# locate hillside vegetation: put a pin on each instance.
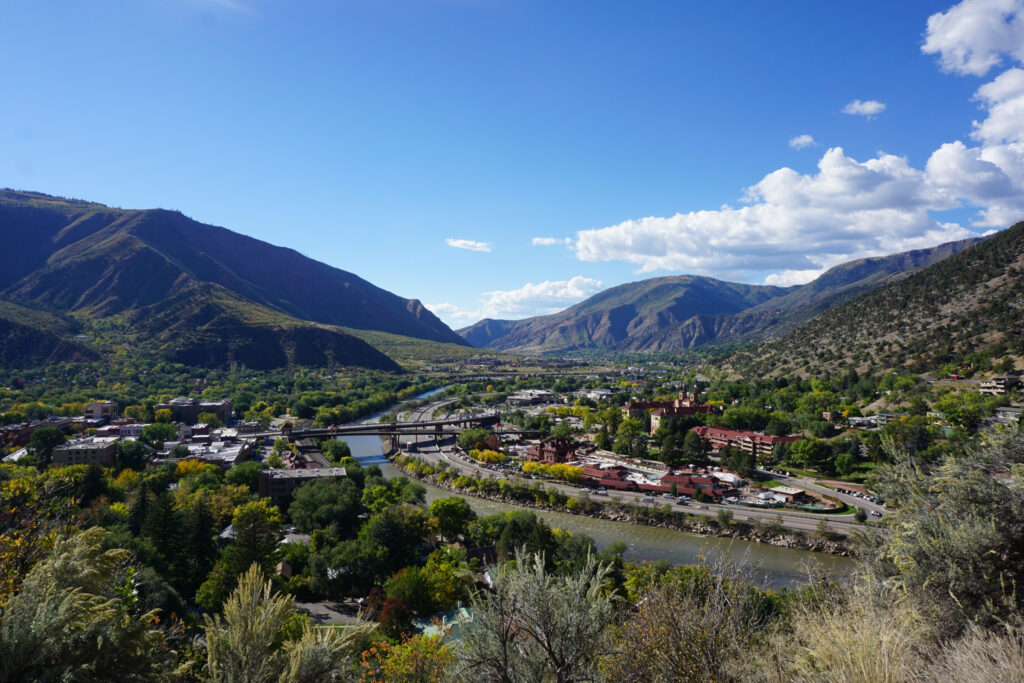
(968, 303)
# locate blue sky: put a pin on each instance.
(426, 145)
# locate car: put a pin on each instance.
(751, 519)
(647, 499)
(703, 507)
(601, 492)
(585, 490)
(667, 495)
(876, 513)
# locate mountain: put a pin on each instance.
(687, 311)
(194, 292)
(969, 302)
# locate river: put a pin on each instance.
(778, 566)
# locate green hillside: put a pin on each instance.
(972, 301)
(187, 291)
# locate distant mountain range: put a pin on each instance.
(687, 311)
(189, 292)
(970, 302)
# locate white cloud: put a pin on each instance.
(868, 108)
(470, 245)
(540, 298)
(788, 277)
(531, 299)
(549, 241)
(791, 222)
(802, 141)
(795, 225)
(973, 36)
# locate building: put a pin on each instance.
(758, 444)
(278, 485)
(552, 450)
(883, 419)
(101, 409)
(89, 451)
(529, 397)
(787, 494)
(187, 410)
(660, 414)
(1000, 385)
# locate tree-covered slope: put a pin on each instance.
(971, 301)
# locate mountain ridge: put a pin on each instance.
(672, 313)
(80, 261)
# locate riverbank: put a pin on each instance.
(632, 514)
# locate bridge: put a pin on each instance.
(437, 429)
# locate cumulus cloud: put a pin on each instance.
(794, 226)
(470, 245)
(801, 141)
(531, 299)
(549, 241)
(868, 108)
(791, 222)
(975, 35)
(549, 296)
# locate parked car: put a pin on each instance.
(647, 499)
(667, 495)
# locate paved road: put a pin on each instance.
(794, 520)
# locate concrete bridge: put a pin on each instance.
(438, 429)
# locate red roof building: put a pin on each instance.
(552, 450)
(756, 443)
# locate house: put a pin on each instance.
(999, 385)
(757, 444)
(882, 419)
(278, 485)
(552, 450)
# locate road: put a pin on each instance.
(429, 451)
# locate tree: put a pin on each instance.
(323, 504)
(690, 623)
(246, 473)
(163, 416)
(956, 541)
(77, 618)
(251, 641)
(411, 587)
(42, 442)
(159, 432)
(419, 659)
(694, 448)
(132, 455)
(209, 419)
(469, 438)
(539, 626)
(561, 431)
(258, 531)
(335, 450)
(453, 515)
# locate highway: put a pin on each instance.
(430, 452)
